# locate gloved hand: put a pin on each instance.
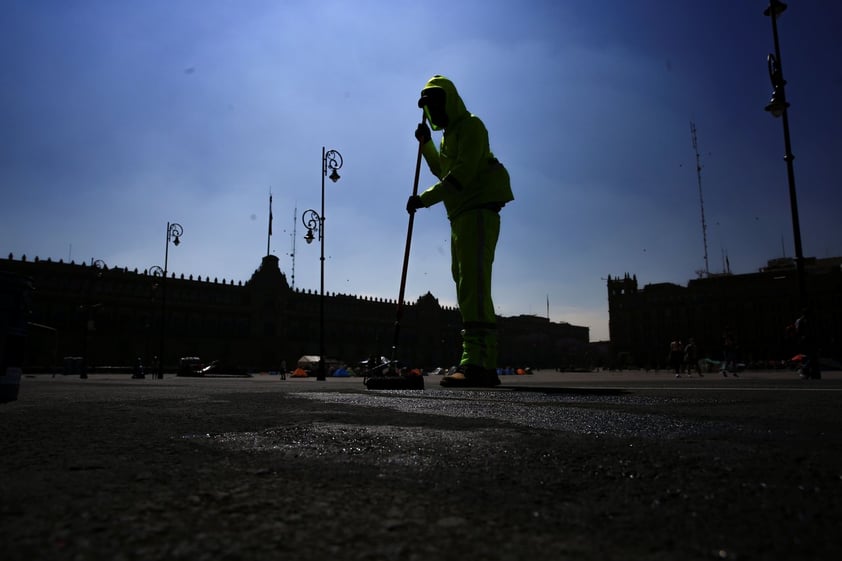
(422, 133)
(413, 204)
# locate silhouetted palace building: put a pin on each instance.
(112, 316)
(755, 308)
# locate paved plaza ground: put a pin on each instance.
(584, 466)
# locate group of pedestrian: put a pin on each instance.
(684, 358)
(800, 339)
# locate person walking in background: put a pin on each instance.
(676, 356)
(691, 358)
(728, 354)
(809, 359)
(474, 186)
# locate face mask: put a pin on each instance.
(433, 102)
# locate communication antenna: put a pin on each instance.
(701, 199)
(269, 235)
(292, 253)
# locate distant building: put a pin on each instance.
(756, 308)
(112, 316)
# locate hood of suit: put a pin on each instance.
(454, 106)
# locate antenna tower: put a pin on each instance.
(701, 199)
(292, 254)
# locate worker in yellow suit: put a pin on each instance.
(474, 186)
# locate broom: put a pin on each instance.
(390, 378)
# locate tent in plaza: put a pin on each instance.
(308, 362)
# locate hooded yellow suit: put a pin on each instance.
(473, 186)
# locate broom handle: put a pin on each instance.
(399, 313)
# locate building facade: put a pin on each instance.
(113, 317)
(756, 309)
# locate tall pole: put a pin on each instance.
(777, 76)
(321, 376)
(163, 307)
(331, 160)
(701, 199)
(292, 250)
(155, 271)
(98, 265)
(174, 232)
(778, 106)
(269, 236)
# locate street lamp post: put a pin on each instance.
(777, 107)
(156, 272)
(98, 265)
(174, 233)
(315, 222)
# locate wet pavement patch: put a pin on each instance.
(596, 415)
(394, 445)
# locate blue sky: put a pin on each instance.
(117, 117)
